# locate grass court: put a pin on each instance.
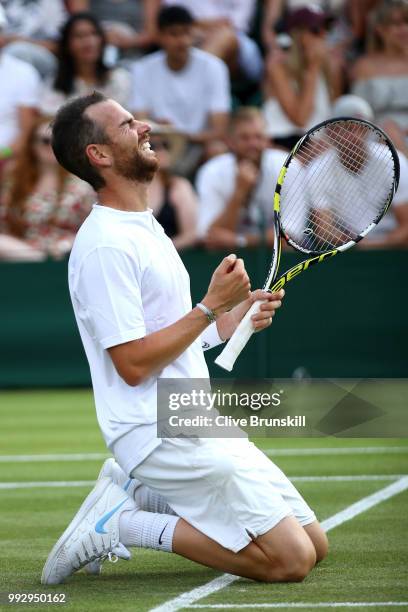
(51, 452)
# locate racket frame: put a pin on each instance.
(234, 346)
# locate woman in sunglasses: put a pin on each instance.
(41, 205)
(298, 82)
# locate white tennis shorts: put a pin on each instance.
(226, 488)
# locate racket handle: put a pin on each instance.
(238, 340)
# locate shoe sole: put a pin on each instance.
(90, 501)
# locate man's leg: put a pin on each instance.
(212, 485)
(284, 554)
(150, 501)
(192, 544)
(319, 540)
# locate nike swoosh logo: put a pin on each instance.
(99, 527)
(127, 484)
(160, 536)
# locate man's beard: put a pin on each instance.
(137, 167)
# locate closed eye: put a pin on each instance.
(127, 122)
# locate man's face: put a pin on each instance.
(248, 140)
(351, 146)
(177, 41)
(129, 145)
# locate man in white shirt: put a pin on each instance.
(33, 31)
(236, 189)
(131, 298)
(392, 231)
(181, 86)
(20, 85)
(222, 28)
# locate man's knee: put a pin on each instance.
(321, 547)
(295, 564)
(291, 566)
(319, 539)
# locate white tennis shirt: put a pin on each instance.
(370, 188)
(126, 281)
(184, 97)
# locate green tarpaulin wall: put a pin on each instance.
(344, 318)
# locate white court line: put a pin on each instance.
(190, 597)
(45, 484)
(365, 504)
(341, 450)
(354, 478)
(53, 457)
(329, 604)
(282, 452)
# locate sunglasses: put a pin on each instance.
(316, 30)
(45, 140)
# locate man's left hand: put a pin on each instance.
(229, 321)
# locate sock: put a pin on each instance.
(147, 529)
(149, 500)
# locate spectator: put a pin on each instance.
(18, 98)
(381, 76)
(184, 87)
(81, 68)
(172, 197)
(221, 27)
(236, 189)
(129, 25)
(42, 205)
(298, 81)
(33, 30)
(392, 231)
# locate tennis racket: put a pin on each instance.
(333, 189)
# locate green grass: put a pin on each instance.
(368, 559)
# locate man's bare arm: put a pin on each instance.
(137, 360)
(247, 175)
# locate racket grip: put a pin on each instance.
(238, 340)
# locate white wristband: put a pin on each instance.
(210, 337)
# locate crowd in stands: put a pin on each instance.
(229, 86)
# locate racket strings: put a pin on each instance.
(349, 173)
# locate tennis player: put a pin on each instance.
(221, 503)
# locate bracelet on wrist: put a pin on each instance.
(210, 314)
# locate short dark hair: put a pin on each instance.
(72, 132)
(173, 15)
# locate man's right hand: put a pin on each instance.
(229, 285)
(247, 175)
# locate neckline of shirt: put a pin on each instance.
(117, 211)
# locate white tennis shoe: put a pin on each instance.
(92, 534)
(112, 470)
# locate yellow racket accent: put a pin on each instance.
(276, 198)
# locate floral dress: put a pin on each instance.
(50, 220)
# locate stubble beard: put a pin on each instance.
(137, 167)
